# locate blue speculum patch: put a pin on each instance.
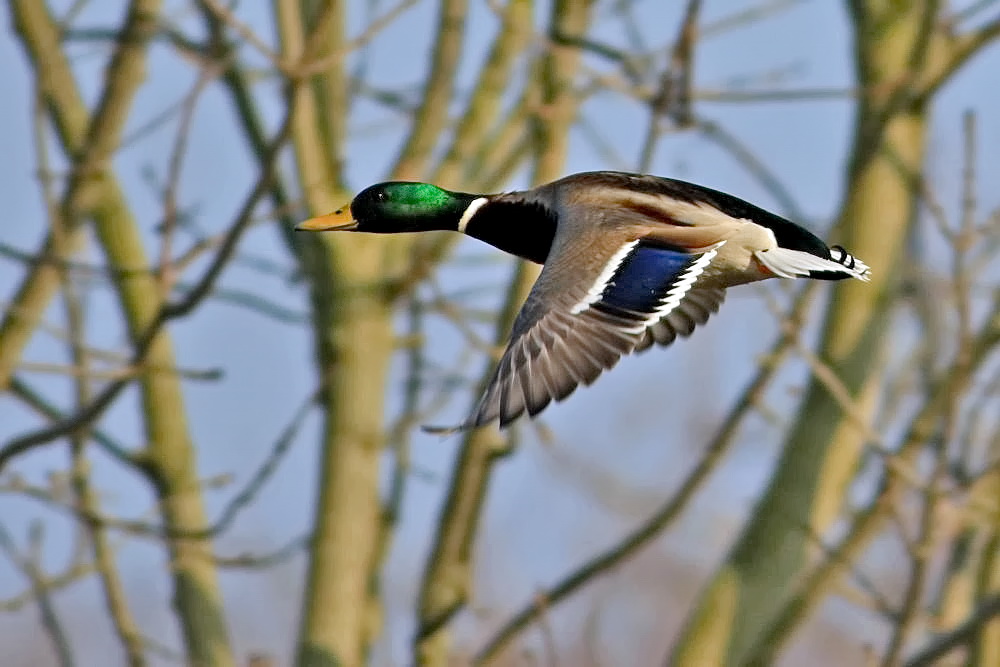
(644, 277)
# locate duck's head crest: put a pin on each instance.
(396, 206)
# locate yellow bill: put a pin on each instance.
(339, 220)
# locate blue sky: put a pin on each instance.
(639, 426)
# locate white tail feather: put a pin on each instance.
(787, 263)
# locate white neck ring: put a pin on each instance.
(476, 204)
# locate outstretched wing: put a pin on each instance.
(570, 329)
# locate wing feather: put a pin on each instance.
(698, 305)
(557, 344)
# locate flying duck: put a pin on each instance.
(629, 260)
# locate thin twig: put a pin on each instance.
(919, 556)
(985, 612)
(225, 15)
(673, 96)
(262, 561)
(207, 375)
(84, 496)
(29, 565)
(42, 406)
(168, 227)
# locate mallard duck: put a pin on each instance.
(629, 261)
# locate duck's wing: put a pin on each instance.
(694, 310)
(573, 327)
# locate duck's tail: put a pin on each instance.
(788, 263)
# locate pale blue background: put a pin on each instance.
(631, 436)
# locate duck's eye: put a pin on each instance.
(381, 195)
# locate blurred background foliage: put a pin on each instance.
(209, 443)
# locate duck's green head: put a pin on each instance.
(396, 206)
